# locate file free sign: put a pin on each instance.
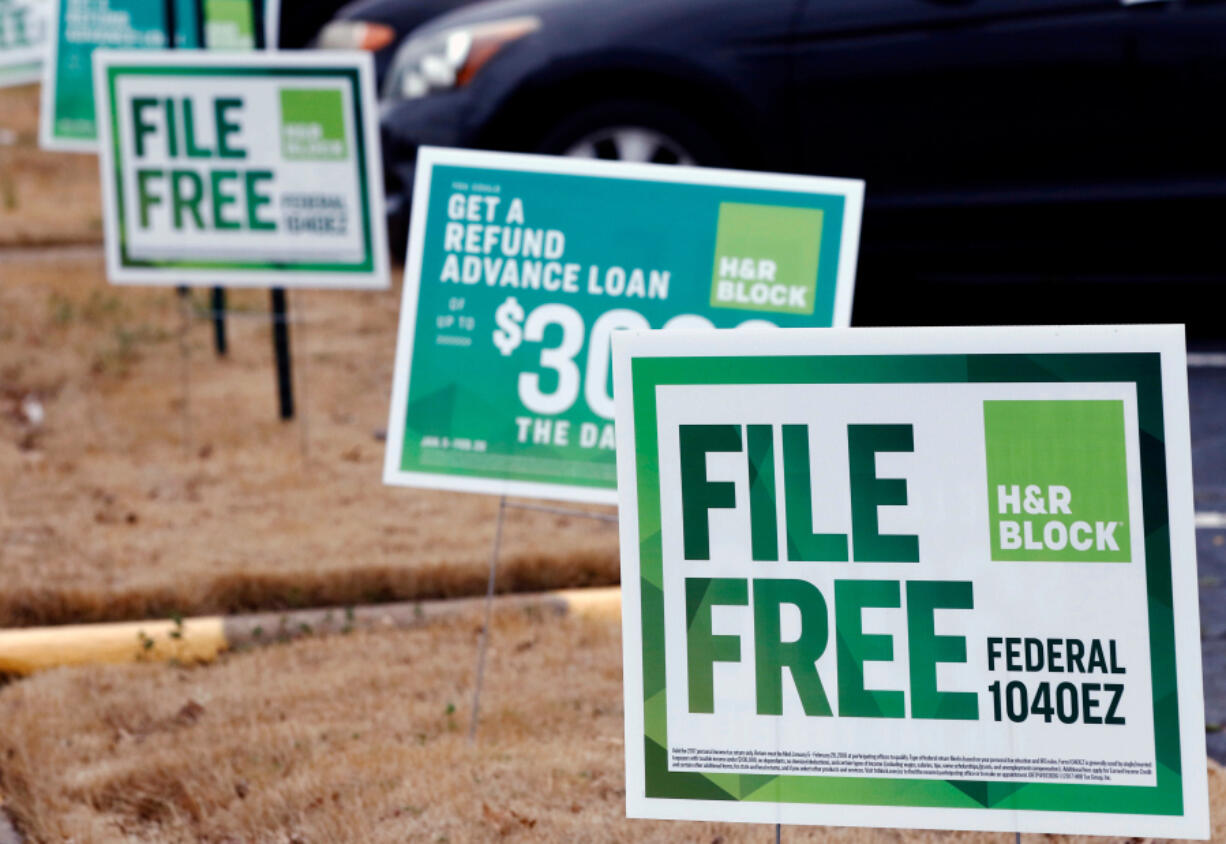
(938, 578)
(258, 170)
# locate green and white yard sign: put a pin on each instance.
(521, 267)
(940, 578)
(23, 31)
(257, 169)
(67, 120)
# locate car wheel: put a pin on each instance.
(634, 131)
(630, 143)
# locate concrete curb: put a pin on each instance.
(27, 650)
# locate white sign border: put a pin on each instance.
(379, 278)
(852, 191)
(11, 78)
(1166, 340)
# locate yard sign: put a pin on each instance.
(254, 169)
(77, 27)
(23, 30)
(939, 578)
(521, 267)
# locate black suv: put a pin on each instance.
(1071, 152)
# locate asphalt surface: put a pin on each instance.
(1207, 403)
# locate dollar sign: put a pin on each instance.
(509, 333)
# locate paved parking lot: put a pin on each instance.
(1207, 400)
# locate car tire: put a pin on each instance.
(641, 131)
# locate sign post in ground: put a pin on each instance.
(242, 169)
(938, 578)
(68, 120)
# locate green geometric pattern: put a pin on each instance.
(1139, 369)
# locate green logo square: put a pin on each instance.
(766, 258)
(1057, 480)
(312, 124)
(229, 25)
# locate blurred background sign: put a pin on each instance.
(255, 169)
(23, 28)
(78, 27)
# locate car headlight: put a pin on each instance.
(355, 35)
(449, 59)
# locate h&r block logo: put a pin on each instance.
(312, 124)
(1057, 480)
(229, 24)
(766, 258)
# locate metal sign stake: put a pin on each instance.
(503, 506)
(299, 316)
(185, 313)
(483, 646)
(280, 346)
(219, 321)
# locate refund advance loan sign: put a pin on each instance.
(521, 267)
(937, 578)
(256, 169)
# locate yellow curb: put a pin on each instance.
(604, 603)
(27, 650)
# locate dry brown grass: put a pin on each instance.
(45, 197)
(357, 738)
(105, 515)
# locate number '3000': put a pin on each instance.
(560, 359)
